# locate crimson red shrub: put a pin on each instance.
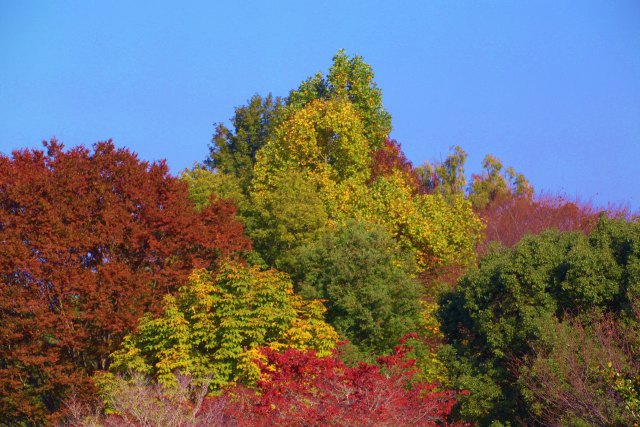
(301, 389)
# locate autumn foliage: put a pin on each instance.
(297, 388)
(300, 389)
(510, 217)
(389, 159)
(212, 328)
(129, 296)
(92, 239)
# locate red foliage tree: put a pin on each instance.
(90, 241)
(300, 389)
(390, 158)
(510, 217)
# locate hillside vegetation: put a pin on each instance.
(306, 273)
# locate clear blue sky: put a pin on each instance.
(550, 87)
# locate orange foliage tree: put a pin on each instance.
(91, 240)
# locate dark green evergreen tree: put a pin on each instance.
(500, 311)
(366, 282)
(234, 151)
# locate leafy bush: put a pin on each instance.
(584, 373)
(297, 388)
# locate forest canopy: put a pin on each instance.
(307, 273)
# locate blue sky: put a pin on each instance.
(552, 88)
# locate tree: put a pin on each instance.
(436, 230)
(351, 80)
(325, 139)
(585, 373)
(510, 217)
(389, 159)
(204, 183)
(494, 183)
(498, 312)
(446, 178)
(371, 297)
(212, 328)
(326, 144)
(332, 137)
(91, 241)
(286, 215)
(234, 152)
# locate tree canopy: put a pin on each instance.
(234, 152)
(500, 311)
(350, 80)
(92, 239)
(324, 141)
(368, 284)
(213, 327)
(130, 296)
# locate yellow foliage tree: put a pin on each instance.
(214, 326)
(325, 141)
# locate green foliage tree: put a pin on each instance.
(204, 183)
(233, 152)
(495, 182)
(367, 283)
(213, 327)
(287, 214)
(447, 177)
(499, 310)
(628, 388)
